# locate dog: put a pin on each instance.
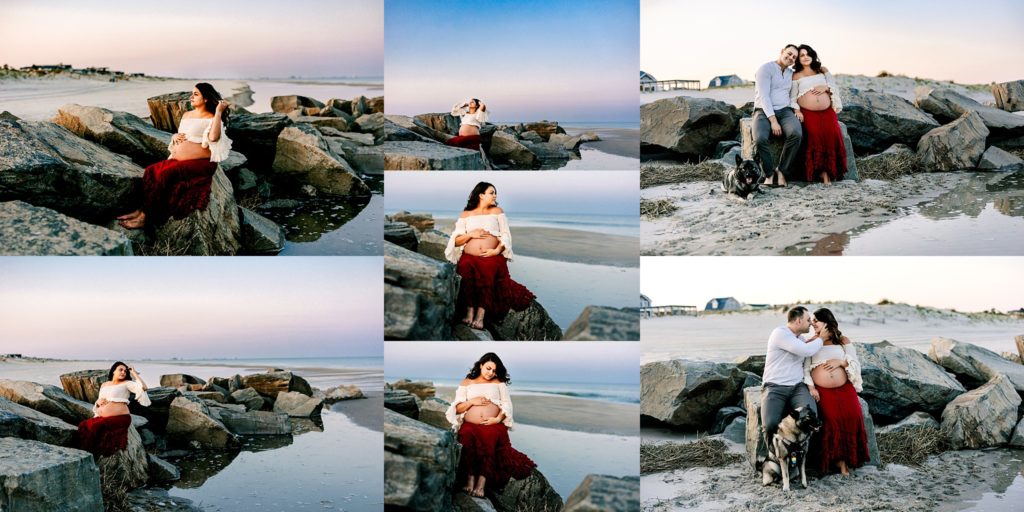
(787, 451)
(744, 180)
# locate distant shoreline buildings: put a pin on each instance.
(61, 68)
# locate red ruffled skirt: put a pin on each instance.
(487, 284)
(487, 451)
(824, 150)
(465, 141)
(104, 435)
(176, 188)
(843, 436)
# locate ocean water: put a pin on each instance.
(566, 288)
(623, 225)
(602, 392)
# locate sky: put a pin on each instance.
(966, 284)
(604, 192)
(598, 362)
(967, 42)
(159, 308)
(222, 39)
(527, 60)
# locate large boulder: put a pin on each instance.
(260, 235)
(422, 221)
(402, 235)
(432, 412)
(213, 231)
(190, 422)
(420, 464)
(20, 421)
(27, 230)
(1009, 95)
(40, 477)
(304, 155)
(948, 105)
(877, 120)
(568, 142)
(425, 156)
(298, 405)
(421, 388)
(691, 127)
(505, 148)
(402, 402)
(530, 324)
(600, 323)
(46, 165)
(957, 145)
(120, 132)
(255, 136)
(286, 104)
(603, 493)
(256, 423)
(752, 363)
(551, 155)
(687, 394)
(248, 397)
(166, 110)
(159, 409)
(545, 129)
(441, 122)
(342, 392)
(419, 295)
(162, 471)
(531, 493)
(433, 243)
(996, 159)
(125, 469)
(273, 382)
(84, 385)
(47, 399)
(899, 381)
(982, 417)
(175, 380)
(405, 128)
(975, 365)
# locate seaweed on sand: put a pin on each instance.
(705, 452)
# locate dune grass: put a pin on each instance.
(705, 452)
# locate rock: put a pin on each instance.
(531, 324)
(974, 365)
(84, 385)
(982, 417)
(357, 139)
(162, 471)
(212, 231)
(176, 380)
(359, 106)
(877, 120)
(303, 154)
(375, 104)
(948, 105)
(157, 500)
(247, 180)
(463, 332)
(257, 423)
(338, 104)
(433, 243)
(419, 295)
(338, 123)
(166, 110)
(603, 493)
(285, 104)
(917, 420)
(544, 128)
(47, 166)
(405, 128)
(402, 402)
(531, 136)
(255, 136)
(996, 159)
(422, 221)
(440, 122)
(589, 137)
(753, 364)
(421, 388)
(260, 235)
(432, 412)
(1009, 95)
(551, 155)
(401, 234)
(40, 477)
(420, 463)
(1010, 356)
(1017, 438)
(466, 503)
(342, 392)
(957, 145)
(120, 132)
(724, 417)
(688, 394)
(159, 408)
(899, 381)
(273, 382)
(125, 469)
(189, 421)
(297, 404)
(736, 430)
(600, 323)
(209, 396)
(691, 127)
(508, 150)
(371, 123)
(248, 397)
(49, 400)
(531, 493)
(570, 143)
(27, 230)
(20, 421)
(423, 156)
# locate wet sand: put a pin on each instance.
(568, 245)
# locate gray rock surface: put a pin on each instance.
(982, 417)
(419, 295)
(402, 402)
(120, 132)
(432, 412)
(421, 388)
(1009, 95)
(128, 468)
(420, 463)
(996, 159)
(432, 243)
(166, 110)
(49, 400)
(691, 127)
(402, 235)
(256, 423)
(84, 385)
(505, 148)
(600, 323)
(753, 364)
(899, 381)
(603, 493)
(342, 392)
(974, 365)
(687, 394)
(877, 120)
(39, 477)
(957, 145)
(27, 230)
(162, 471)
(531, 493)
(248, 397)
(424, 156)
(190, 422)
(285, 104)
(531, 324)
(543, 128)
(20, 421)
(213, 231)
(297, 404)
(271, 383)
(175, 380)
(304, 155)
(917, 420)
(948, 105)
(260, 235)
(422, 221)
(255, 136)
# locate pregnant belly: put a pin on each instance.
(467, 129)
(112, 409)
(189, 151)
(816, 102)
(478, 245)
(828, 379)
(478, 413)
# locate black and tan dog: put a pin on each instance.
(744, 179)
(787, 451)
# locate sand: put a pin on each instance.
(568, 245)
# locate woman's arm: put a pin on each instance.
(215, 124)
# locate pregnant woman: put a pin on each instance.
(815, 99)
(473, 116)
(833, 378)
(482, 416)
(107, 431)
(181, 184)
(481, 246)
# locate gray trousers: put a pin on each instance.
(792, 130)
(778, 400)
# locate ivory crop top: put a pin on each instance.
(804, 85)
(121, 393)
(198, 130)
(844, 352)
(478, 118)
(496, 392)
(495, 224)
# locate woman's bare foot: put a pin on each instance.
(843, 470)
(468, 320)
(478, 493)
(130, 216)
(477, 324)
(137, 222)
(825, 178)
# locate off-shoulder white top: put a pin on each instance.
(846, 352)
(478, 118)
(496, 392)
(198, 130)
(804, 85)
(121, 393)
(495, 224)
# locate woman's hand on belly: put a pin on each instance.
(112, 409)
(826, 378)
(478, 246)
(479, 413)
(189, 151)
(468, 129)
(815, 102)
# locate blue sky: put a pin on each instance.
(559, 60)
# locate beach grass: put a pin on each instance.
(705, 452)
(654, 174)
(889, 167)
(911, 447)
(657, 207)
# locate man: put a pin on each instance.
(774, 117)
(784, 389)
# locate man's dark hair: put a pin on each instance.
(795, 313)
(795, 47)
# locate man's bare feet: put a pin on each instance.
(137, 222)
(130, 216)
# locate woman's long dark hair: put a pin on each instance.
(479, 107)
(825, 316)
(127, 375)
(815, 63)
(474, 196)
(212, 98)
(500, 373)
